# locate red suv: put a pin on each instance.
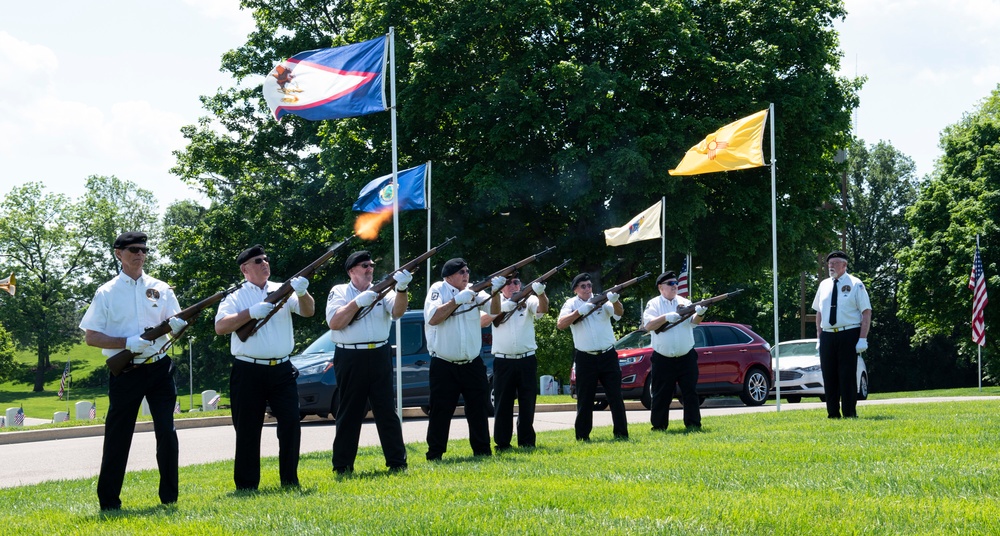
(732, 359)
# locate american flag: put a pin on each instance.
(214, 402)
(177, 407)
(19, 417)
(93, 410)
(682, 280)
(62, 382)
(977, 282)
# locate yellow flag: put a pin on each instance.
(645, 226)
(735, 146)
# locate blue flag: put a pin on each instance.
(377, 195)
(329, 83)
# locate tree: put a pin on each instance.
(122, 206)
(7, 364)
(961, 200)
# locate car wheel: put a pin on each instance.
(822, 398)
(600, 405)
(794, 399)
(863, 388)
(493, 400)
(647, 395)
(701, 400)
(302, 416)
(755, 388)
(426, 410)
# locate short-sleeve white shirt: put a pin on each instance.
(852, 300)
(373, 327)
(592, 334)
(676, 341)
(459, 337)
(517, 334)
(124, 307)
(275, 339)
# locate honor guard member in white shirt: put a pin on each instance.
(262, 376)
(515, 367)
(363, 362)
(595, 356)
(454, 342)
(121, 311)
(843, 316)
(674, 361)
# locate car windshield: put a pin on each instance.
(792, 349)
(636, 339)
(324, 344)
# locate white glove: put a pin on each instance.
(366, 298)
(673, 317)
(609, 308)
(612, 297)
(585, 308)
(299, 285)
(464, 297)
(862, 345)
(403, 278)
(137, 344)
(176, 325)
(498, 282)
(508, 306)
(700, 310)
(539, 288)
(260, 310)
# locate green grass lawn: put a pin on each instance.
(899, 469)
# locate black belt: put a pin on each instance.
(597, 352)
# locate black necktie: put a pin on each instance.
(833, 304)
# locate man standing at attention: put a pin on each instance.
(595, 356)
(674, 360)
(121, 311)
(262, 376)
(515, 367)
(843, 316)
(363, 362)
(454, 319)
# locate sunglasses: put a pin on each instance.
(260, 260)
(366, 265)
(670, 283)
(137, 249)
(585, 285)
(463, 271)
(514, 282)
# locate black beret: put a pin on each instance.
(580, 279)
(665, 276)
(250, 253)
(837, 255)
(357, 258)
(130, 238)
(453, 266)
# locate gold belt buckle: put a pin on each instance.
(371, 346)
(272, 362)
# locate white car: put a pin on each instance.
(801, 375)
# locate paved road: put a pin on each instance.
(80, 457)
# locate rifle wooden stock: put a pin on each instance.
(686, 311)
(599, 299)
(526, 292)
(122, 361)
(384, 286)
(280, 296)
(506, 272)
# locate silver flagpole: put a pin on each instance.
(663, 234)
(774, 266)
(979, 349)
(427, 203)
(395, 220)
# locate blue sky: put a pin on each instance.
(102, 88)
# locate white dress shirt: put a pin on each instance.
(274, 340)
(594, 333)
(851, 302)
(460, 336)
(124, 307)
(676, 341)
(373, 327)
(517, 335)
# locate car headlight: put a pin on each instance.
(318, 368)
(814, 368)
(630, 360)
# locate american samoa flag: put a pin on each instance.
(330, 83)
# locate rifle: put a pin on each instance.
(280, 296)
(526, 292)
(122, 361)
(506, 272)
(382, 287)
(599, 299)
(686, 311)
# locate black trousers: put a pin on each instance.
(591, 369)
(838, 356)
(447, 382)
(364, 377)
(155, 382)
(514, 379)
(666, 373)
(253, 388)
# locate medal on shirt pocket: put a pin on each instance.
(153, 295)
